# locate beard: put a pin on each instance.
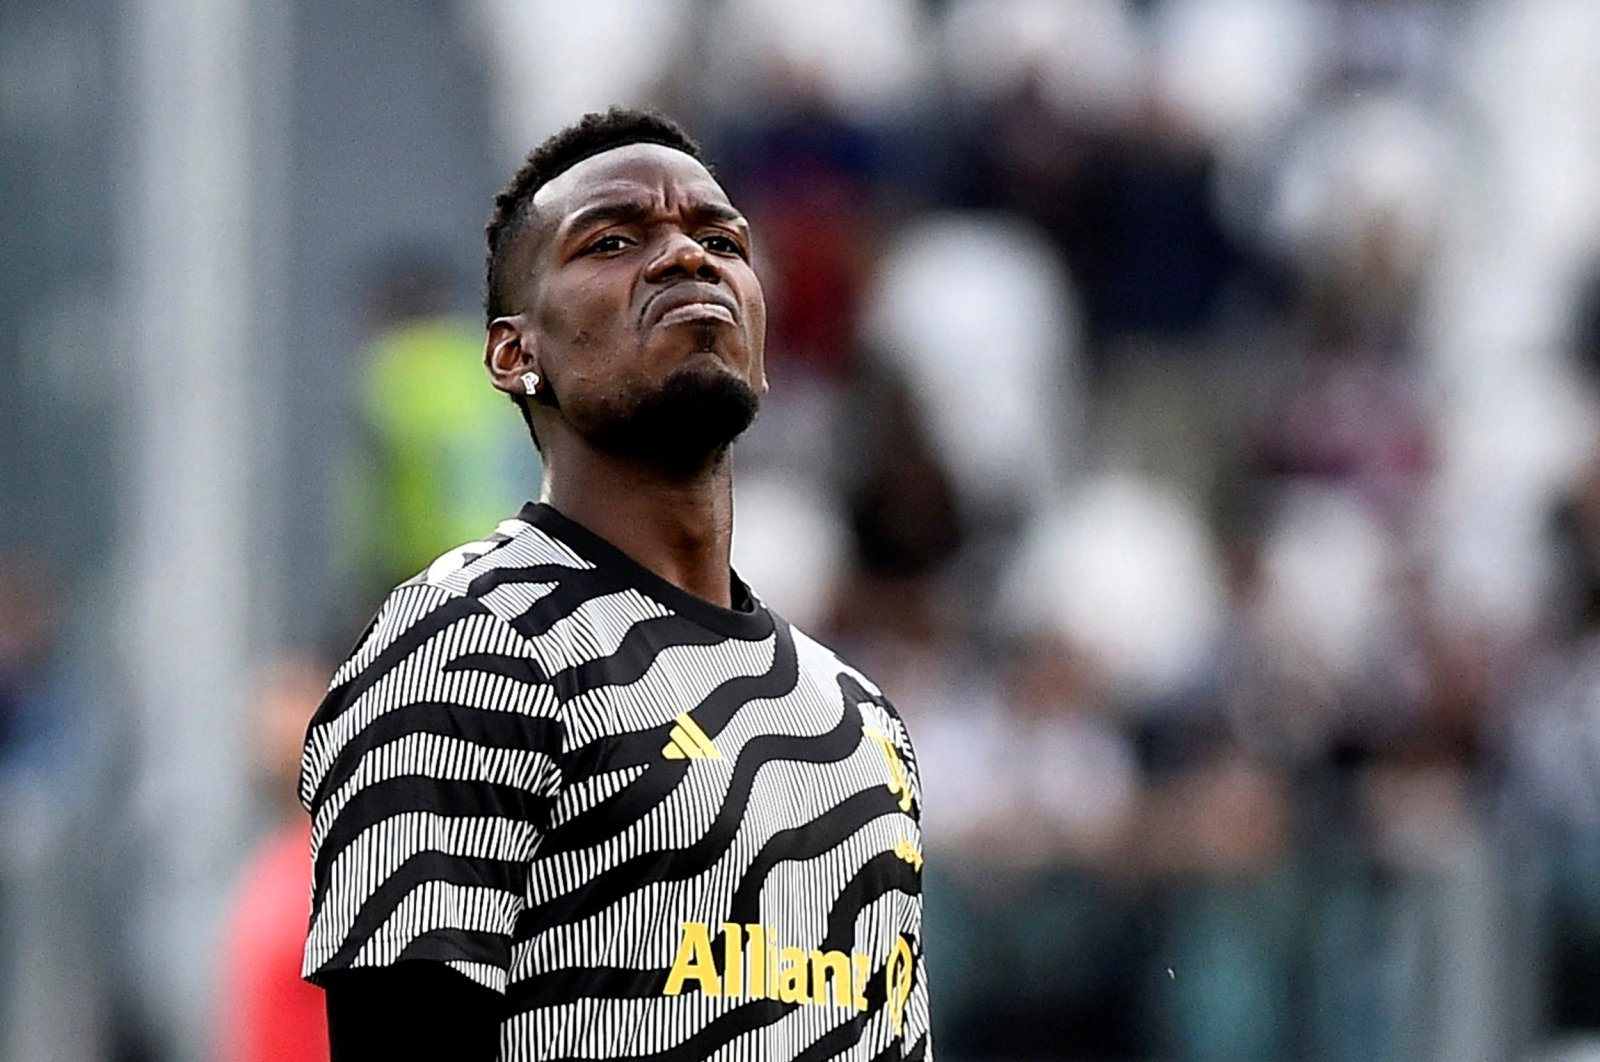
(681, 426)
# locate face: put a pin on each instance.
(641, 312)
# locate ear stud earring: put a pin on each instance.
(530, 382)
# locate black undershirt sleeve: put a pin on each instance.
(412, 1012)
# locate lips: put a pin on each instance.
(696, 311)
(686, 303)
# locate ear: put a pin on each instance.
(508, 353)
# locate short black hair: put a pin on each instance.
(589, 136)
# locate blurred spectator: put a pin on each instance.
(808, 178)
(1350, 417)
(1161, 263)
(442, 457)
(1112, 162)
(267, 1013)
(891, 604)
(1360, 212)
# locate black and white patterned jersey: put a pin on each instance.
(663, 829)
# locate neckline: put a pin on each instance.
(753, 624)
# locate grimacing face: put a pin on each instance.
(637, 278)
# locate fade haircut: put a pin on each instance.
(513, 207)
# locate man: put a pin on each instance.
(578, 793)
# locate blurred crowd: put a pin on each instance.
(1132, 424)
(1188, 411)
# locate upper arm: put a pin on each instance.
(428, 772)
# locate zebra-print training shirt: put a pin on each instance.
(664, 829)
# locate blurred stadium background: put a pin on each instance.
(1186, 409)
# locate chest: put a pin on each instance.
(686, 776)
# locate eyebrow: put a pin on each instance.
(718, 212)
(606, 214)
(630, 210)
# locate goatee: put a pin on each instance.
(684, 424)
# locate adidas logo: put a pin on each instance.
(689, 742)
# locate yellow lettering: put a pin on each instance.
(863, 965)
(758, 960)
(897, 982)
(785, 974)
(792, 977)
(823, 963)
(694, 961)
(732, 959)
(899, 782)
(772, 963)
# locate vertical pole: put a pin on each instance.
(201, 277)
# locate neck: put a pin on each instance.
(679, 527)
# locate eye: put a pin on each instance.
(607, 244)
(720, 243)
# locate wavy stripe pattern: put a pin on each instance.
(488, 789)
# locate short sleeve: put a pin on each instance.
(428, 772)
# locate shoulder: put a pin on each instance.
(411, 617)
(442, 657)
(470, 569)
(504, 570)
(821, 660)
(489, 577)
(878, 712)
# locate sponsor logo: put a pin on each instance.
(689, 742)
(753, 964)
(908, 851)
(899, 782)
(897, 983)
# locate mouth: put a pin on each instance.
(691, 304)
(696, 312)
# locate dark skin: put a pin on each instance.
(637, 270)
(637, 267)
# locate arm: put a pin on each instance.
(428, 771)
(412, 1010)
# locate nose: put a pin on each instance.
(680, 256)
